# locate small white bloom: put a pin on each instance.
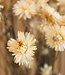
(22, 49)
(25, 9)
(55, 37)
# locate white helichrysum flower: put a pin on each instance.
(22, 48)
(55, 37)
(40, 4)
(25, 9)
(53, 15)
(47, 70)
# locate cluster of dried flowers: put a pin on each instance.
(54, 32)
(43, 18)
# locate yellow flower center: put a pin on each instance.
(57, 38)
(20, 43)
(24, 46)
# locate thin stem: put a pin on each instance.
(5, 22)
(53, 62)
(57, 55)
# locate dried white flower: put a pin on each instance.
(22, 48)
(53, 15)
(55, 37)
(25, 9)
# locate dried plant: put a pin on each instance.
(23, 48)
(44, 20)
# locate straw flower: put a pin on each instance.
(47, 70)
(55, 37)
(22, 48)
(25, 9)
(51, 13)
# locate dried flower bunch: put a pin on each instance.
(48, 26)
(22, 48)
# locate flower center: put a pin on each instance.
(57, 38)
(20, 43)
(24, 50)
